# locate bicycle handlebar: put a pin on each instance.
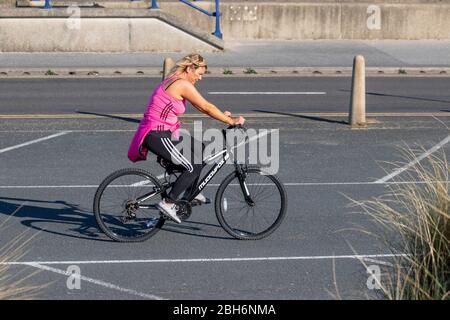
(231, 127)
(236, 126)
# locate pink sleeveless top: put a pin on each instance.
(161, 115)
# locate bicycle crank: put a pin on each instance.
(184, 210)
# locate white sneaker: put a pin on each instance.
(169, 210)
(201, 198)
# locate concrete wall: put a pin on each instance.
(137, 30)
(98, 34)
(7, 3)
(411, 22)
(332, 20)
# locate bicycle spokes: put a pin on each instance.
(250, 204)
(124, 205)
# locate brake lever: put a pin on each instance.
(237, 126)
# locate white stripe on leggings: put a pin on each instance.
(174, 156)
(182, 157)
(168, 146)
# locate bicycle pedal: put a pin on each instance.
(195, 203)
(199, 203)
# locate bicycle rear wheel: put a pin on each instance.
(251, 221)
(117, 210)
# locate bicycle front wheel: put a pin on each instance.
(251, 220)
(118, 208)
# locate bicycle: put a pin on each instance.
(134, 216)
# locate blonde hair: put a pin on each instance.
(192, 60)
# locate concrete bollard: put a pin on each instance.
(357, 114)
(168, 65)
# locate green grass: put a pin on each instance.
(50, 73)
(250, 71)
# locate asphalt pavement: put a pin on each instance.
(47, 189)
(59, 138)
(266, 96)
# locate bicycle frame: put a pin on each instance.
(211, 173)
(207, 178)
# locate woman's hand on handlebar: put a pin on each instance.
(238, 120)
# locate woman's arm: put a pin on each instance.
(190, 93)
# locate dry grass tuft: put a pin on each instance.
(13, 285)
(415, 218)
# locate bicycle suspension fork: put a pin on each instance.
(242, 175)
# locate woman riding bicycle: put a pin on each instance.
(158, 130)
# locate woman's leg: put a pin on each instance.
(192, 154)
(186, 155)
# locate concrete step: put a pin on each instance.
(115, 6)
(19, 22)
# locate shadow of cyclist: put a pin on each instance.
(76, 223)
(44, 215)
(197, 229)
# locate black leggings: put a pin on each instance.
(161, 144)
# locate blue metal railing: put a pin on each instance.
(216, 13)
(47, 4)
(154, 5)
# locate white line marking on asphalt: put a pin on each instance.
(415, 161)
(34, 141)
(95, 281)
(289, 184)
(376, 261)
(267, 93)
(362, 256)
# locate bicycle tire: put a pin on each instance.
(100, 215)
(223, 210)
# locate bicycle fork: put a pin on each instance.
(242, 175)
